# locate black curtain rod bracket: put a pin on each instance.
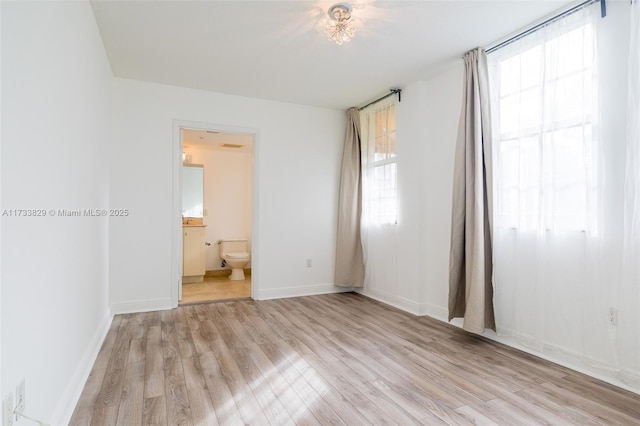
(392, 92)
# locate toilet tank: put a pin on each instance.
(233, 246)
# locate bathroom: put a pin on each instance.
(217, 188)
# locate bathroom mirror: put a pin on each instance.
(192, 190)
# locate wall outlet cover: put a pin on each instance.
(7, 410)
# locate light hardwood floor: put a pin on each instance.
(216, 288)
(329, 359)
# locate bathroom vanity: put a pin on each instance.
(193, 254)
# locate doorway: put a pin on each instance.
(221, 211)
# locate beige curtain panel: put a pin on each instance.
(470, 261)
(349, 259)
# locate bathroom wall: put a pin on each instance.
(228, 188)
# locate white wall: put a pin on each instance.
(443, 95)
(56, 110)
(228, 178)
(297, 156)
(411, 183)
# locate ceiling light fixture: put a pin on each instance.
(339, 25)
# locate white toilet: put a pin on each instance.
(236, 254)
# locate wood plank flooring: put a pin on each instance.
(329, 359)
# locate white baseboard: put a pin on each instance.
(392, 300)
(309, 290)
(141, 306)
(69, 399)
(433, 311)
(622, 379)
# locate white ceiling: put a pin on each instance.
(278, 50)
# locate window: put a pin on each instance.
(544, 99)
(380, 180)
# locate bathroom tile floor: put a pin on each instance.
(216, 289)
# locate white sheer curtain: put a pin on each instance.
(379, 196)
(557, 237)
(629, 297)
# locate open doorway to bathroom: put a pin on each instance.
(217, 211)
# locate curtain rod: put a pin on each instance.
(393, 92)
(603, 13)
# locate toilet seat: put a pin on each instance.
(237, 255)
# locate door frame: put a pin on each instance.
(176, 203)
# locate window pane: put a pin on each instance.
(566, 100)
(545, 169)
(531, 66)
(384, 193)
(567, 52)
(385, 129)
(529, 182)
(380, 149)
(508, 182)
(380, 187)
(391, 141)
(567, 175)
(530, 109)
(509, 76)
(509, 114)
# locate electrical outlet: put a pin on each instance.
(7, 410)
(309, 263)
(613, 316)
(20, 397)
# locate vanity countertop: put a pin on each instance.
(193, 225)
